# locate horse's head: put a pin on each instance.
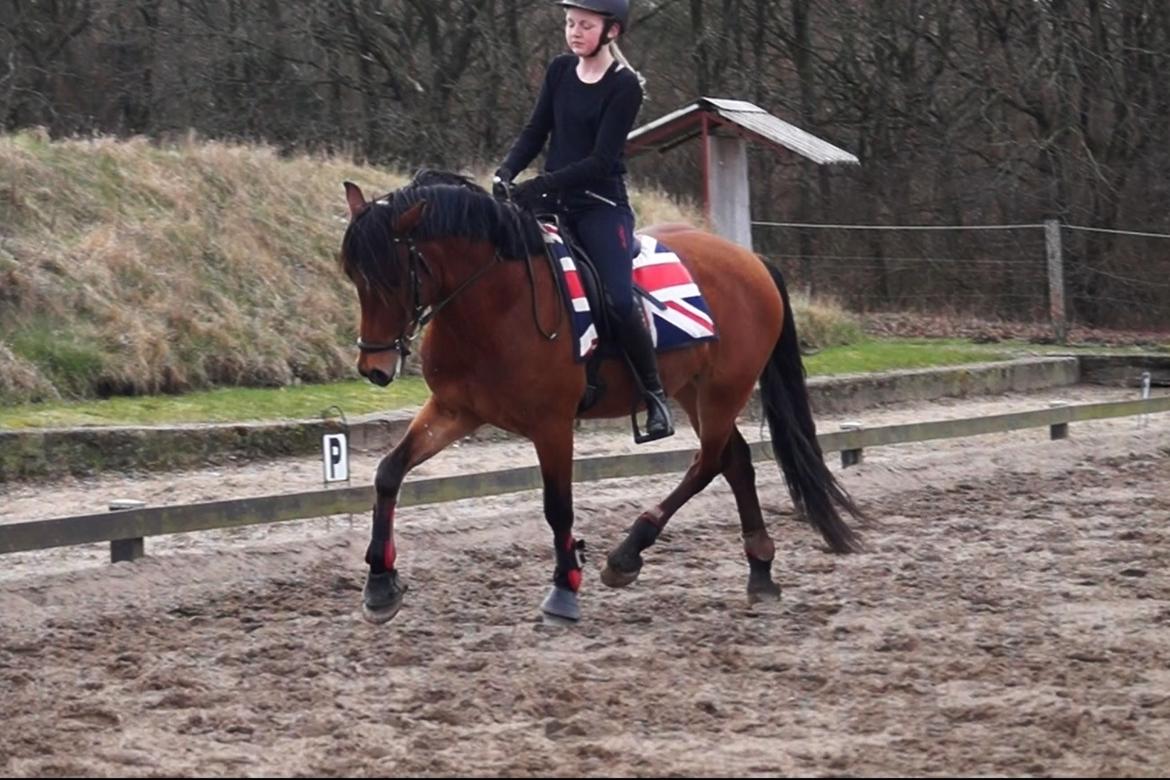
(463, 231)
(379, 256)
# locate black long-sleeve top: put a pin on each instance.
(588, 123)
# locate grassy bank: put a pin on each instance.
(133, 268)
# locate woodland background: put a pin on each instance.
(963, 112)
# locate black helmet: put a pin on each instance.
(618, 10)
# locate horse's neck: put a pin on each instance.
(490, 291)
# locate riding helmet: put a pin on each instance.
(617, 10)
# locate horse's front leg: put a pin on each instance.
(555, 451)
(432, 429)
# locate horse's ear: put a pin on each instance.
(409, 219)
(357, 201)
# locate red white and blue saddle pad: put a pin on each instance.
(657, 270)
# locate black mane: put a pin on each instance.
(456, 207)
(429, 177)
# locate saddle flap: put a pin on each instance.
(677, 316)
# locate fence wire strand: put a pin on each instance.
(1118, 281)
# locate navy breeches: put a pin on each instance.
(607, 233)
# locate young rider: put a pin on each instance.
(588, 104)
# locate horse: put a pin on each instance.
(443, 251)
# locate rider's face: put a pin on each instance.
(583, 31)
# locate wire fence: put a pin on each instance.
(1111, 278)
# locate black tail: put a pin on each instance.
(814, 490)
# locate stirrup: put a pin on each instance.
(639, 436)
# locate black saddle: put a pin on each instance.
(599, 301)
(604, 319)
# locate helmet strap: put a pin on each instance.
(605, 40)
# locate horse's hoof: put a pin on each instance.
(761, 588)
(562, 603)
(382, 597)
(378, 617)
(615, 578)
(556, 620)
(621, 567)
(761, 591)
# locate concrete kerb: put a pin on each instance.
(38, 454)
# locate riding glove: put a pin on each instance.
(530, 194)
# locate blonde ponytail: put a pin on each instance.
(617, 55)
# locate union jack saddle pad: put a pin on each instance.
(682, 319)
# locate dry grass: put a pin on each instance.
(653, 206)
(824, 323)
(131, 268)
(128, 267)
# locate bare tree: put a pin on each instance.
(961, 110)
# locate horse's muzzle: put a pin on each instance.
(379, 377)
(380, 368)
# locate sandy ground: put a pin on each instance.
(1011, 616)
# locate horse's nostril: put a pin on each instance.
(379, 377)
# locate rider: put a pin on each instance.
(588, 104)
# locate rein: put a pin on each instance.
(422, 313)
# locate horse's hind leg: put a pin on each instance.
(432, 429)
(624, 563)
(757, 545)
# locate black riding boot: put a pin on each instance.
(639, 347)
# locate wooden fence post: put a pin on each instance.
(1055, 252)
(1058, 430)
(126, 549)
(851, 457)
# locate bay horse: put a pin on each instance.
(442, 250)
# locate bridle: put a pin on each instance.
(421, 313)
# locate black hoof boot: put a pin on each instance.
(382, 597)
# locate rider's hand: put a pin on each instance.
(502, 184)
(530, 194)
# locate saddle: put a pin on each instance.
(599, 303)
(678, 320)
